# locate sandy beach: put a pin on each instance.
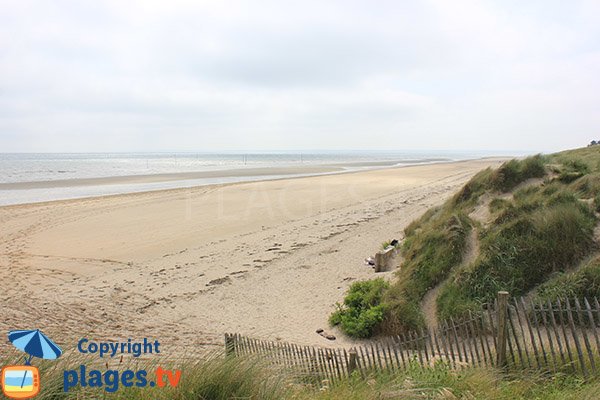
(265, 259)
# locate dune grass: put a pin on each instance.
(220, 378)
(435, 245)
(580, 283)
(538, 232)
(513, 172)
(212, 377)
(533, 237)
(538, 229)
(542, 230)
(442, 383)
(432, 247)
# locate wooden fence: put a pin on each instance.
(554, 336)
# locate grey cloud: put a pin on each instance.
(77, 75)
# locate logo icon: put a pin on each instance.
(23, 381)
(20, 382)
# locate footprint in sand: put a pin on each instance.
(219, 281)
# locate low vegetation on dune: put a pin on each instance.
(362, 310)
(542, 231)
(221, 378)
(581, 283)
(433, 246)
(538, 235)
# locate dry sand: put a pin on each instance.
(265, 259)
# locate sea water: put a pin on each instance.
(47, 167)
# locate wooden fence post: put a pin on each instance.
(502, 317)
(229, 345)
(352, 361)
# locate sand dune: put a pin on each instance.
(266, 259)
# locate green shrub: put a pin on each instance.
(362, 310)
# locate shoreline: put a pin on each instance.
(165, 177)
(205, 179)
(265, 259)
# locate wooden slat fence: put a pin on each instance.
(554, 336)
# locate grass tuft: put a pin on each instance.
(514, 172)
(581, 283)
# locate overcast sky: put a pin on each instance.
(234, 75)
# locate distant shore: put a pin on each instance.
(26, 192)
(224, 173)
(154, 178)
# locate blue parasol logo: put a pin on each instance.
(20, 382)
(34, 343)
